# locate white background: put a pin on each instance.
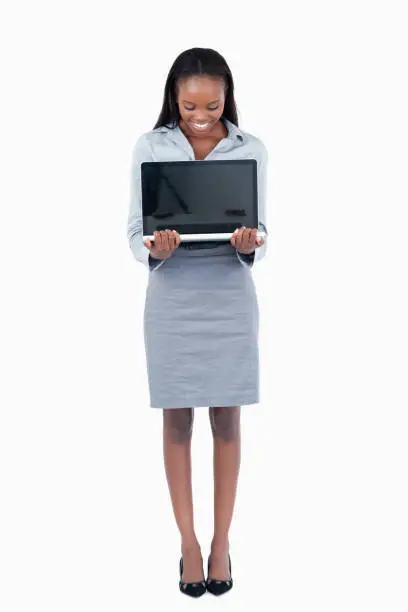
(320, 522)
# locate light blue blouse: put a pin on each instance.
(170, 144)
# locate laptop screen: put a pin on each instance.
(198, 197)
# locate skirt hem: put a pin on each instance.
(205, 404)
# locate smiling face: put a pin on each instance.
(201, 102)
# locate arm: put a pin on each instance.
(262, 173)
(141, 153)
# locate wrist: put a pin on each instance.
(156, 257)
(246, 252)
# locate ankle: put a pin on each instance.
(219, 544)
(190, 544)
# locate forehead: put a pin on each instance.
(200, 88)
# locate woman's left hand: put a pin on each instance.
(245, 240)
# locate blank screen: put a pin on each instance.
(197, 197)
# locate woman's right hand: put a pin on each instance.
(164, 243)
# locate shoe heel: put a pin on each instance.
(218, 587)
(193, 589)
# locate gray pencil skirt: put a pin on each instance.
(201, 323)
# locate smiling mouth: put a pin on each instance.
(201, 126)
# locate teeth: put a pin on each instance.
(201, 126)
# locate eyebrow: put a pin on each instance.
(213, 102)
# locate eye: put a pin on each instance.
(188, 109)
(213, 108)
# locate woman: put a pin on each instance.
(201, 310)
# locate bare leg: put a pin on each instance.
(225, 425)
(177, 432)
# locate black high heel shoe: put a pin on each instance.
(194, 589)
(219, 587)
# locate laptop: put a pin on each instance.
(201, 200)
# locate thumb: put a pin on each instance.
(148, 243)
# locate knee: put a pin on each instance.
(225, 422)
(178, 423)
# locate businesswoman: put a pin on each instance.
(201, 313)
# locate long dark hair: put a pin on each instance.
(196, 62)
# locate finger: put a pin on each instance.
(165, 240)
(234, 237)
(169, 239)
(248, 236)
(177, 238)
(162, 235)
(148, 244)
(157, 241)
(244, 239)
(242, 236)
(252, 238)
(238, 239)
(172, 239)
(259, 241)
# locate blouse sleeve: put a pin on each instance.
(141, 152)
(262, 173)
